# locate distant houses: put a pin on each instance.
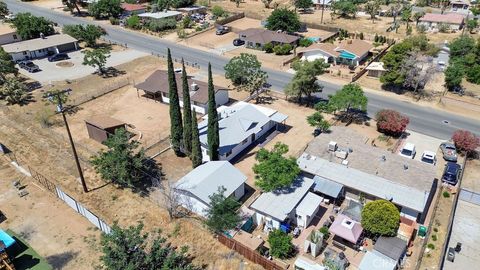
(432, 21)
(8, 34)
(257, 38)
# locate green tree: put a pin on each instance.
(105, 8)
(222, 214)
(473, 74)
(241, 67)
(133, 22)
(406, 15)
(7, 66)
(372, 7)
(164, 4)
(254, 82)
(29, 26)
(14, 92)
(274, 171)
(284, 20)
(472, 25)
(97, 58)
(346, 8)
(317, 121)
(280, 244)
(72, 4)
(453, 76)
(3, 10)
(347, 99)
(213, 136)
(417, 15)
(196, 155)
(187, 113)
(304, 82)
(182, 3)
(88, 33)
(218, 11)
(176, 128)
(122, 163)
(303, 4)
(381, 217)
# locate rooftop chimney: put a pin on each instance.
(42, 36)
(194, 87)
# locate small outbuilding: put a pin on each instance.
(392, 247)
(100, 127)
(308, 209)
(376, 69)
(374, 260)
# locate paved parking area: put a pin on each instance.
(423, 143)
(51, 71)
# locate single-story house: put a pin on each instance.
(240, 125)
(276, 207)
(459, 5)
(193, 9)
(161, 15)
(8, 34)
(302, 263)
(156, 86)
(41, 47)
(257, 38)
(392, 247)
(375, 69)
(346, 228)
(130, 9)
(347, 52)
(100, 127)
(319, 4)
(195, 188)
(432, 20)
(373, 260)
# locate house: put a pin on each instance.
(343, 157)
(240, 125)
(319, 4)
(8, 34)
(156, 86)
(276, 207)
(148, 16)
(192, 10)
(375, 69)
(257, 38)
(41, 47)
(452, 20)
(459, 5)
(374, 260)
(347, 52)
(392, 247)
(195, 188)
(100, 127)
(130, 9)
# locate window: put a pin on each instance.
(228, 153)
(24, 53)
(14, 36)
(245, 141)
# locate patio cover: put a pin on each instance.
(327, 187)
(373, 260)
(346, 228)
(393, 247)
(6, 239)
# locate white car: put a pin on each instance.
(408, 151)
(429, 157)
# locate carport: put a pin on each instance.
(100, 127)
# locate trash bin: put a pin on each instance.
(422, 231)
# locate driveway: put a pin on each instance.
(423, 143)
(73, 68)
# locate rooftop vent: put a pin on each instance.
(332, 146)
(194, 87)
(405, 167)
(383, 158)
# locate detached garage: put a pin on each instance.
(100, 127)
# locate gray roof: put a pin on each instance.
(38, 43)
(392, 247)
(327, 187)
(376, 261)
(205, 180)
(309, 204)
(279, 204)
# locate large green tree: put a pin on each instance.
(122, 163)
(283, 19)
(345, 8)
(280, 244)
(303, 4)
(3, 10)
(304, 82)
(453, 76)
(88, 33)
(348, 99)
(97, 58)
(274, 171)
(14, 92)
(381, 217)
(105, 8)
(187, 113)
(29, 26)
(176, 128)
(213, 136)
(223, 212)
(7, 66)
(316, 120)
(240, 68)
(196, 155)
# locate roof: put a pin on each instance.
(346, 228)
(279, 204)
(237, 123)
(191, 8)
(451, 18)
(132, 7)
(264, 36)
(38, 43)
(406, 229)
(355, 46)
(7, 239)
(327, 48)
(392, 247)
(376, 66)
(376, 261)
(6, 29)
(327, 187)
(309, 204)
(104, 122)
(304, 263)
(205, 180)
(160, 15)
(157, 82)
(248, 239)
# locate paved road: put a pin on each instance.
(422, 119)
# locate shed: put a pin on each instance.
(374, 260)
(328, 187)
(376, 69)
(307, 209)
(100, 127)
(392, 247)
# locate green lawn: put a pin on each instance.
(26, 257)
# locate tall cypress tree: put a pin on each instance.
(212, 136)
(196, 155)
(187, 113)
(176, 130)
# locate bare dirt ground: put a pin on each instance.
(54, 230)
(267, 59)
(471, 175)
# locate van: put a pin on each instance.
(408, 151)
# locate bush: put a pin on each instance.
(376, 38)
(181, 33)
(280, 244)
(305, 42)
(443, 28)
(391, 122)
(421, 28)
(133, 22)
(434, 237)
(203, 3)
(361, 36)
(161, 25)
(186, 22)
(114, 21)
(268, 48)
(435, 229)
(465, 140)
(381, 217)
(282, 49)
(431, 246)
(182, 3)
(446, 194)
(218, 11)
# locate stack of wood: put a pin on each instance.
(5, 262)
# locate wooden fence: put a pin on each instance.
(230, 19)
(378, 56)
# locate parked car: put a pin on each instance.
(238, 42)
(449, 151)
(408, 151)
(29, 66)
(429, 157)
(222, 30)
(58, 57)
(451, 173)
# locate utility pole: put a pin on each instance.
(58, 95)
(323, 9)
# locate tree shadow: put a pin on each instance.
(112, 72)
(59, 261)
(358, 117)
(25, 261)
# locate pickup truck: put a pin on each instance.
(29, 66)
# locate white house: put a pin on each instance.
(8, 34)
(240, 125)
(319, 4)
(161, 15)
(195, 188)
(348, 52)
(156, 86)
(41, 47)
(454, 21)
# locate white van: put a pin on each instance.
(408, 151)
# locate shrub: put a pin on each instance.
(181, 33)
(133, 22)
(280, 244)
(114, 21)
(381, 217)
(282, 49)
(435, 229)
(421, 29)
(198, 28)
(466, 140)
(434, 237)
(443, 28)
(268, 48)
(446, 194)
(186, 22)
(161, 25)
(431, 246)
(305, 42)
(218, 11)
(361, 36)
(203, 3)
(376, 38)
(391, 122)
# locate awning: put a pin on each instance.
(327, 187)
(278, 117)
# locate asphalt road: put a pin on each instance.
(422, 119)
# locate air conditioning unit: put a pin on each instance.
(332, 146)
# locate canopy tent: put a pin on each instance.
(346, 228)
(327, 187)
(7, 240)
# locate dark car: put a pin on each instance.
(58, 57)
(29, 66)
(451, 174)
(222, 30)
(238, 42)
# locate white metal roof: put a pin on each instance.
(309, 204)
(374, 260)
(160, 15)
(38, 43)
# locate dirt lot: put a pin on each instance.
(471, 175)
(64, 238)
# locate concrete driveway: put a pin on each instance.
(51, 71)
(423, 143)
